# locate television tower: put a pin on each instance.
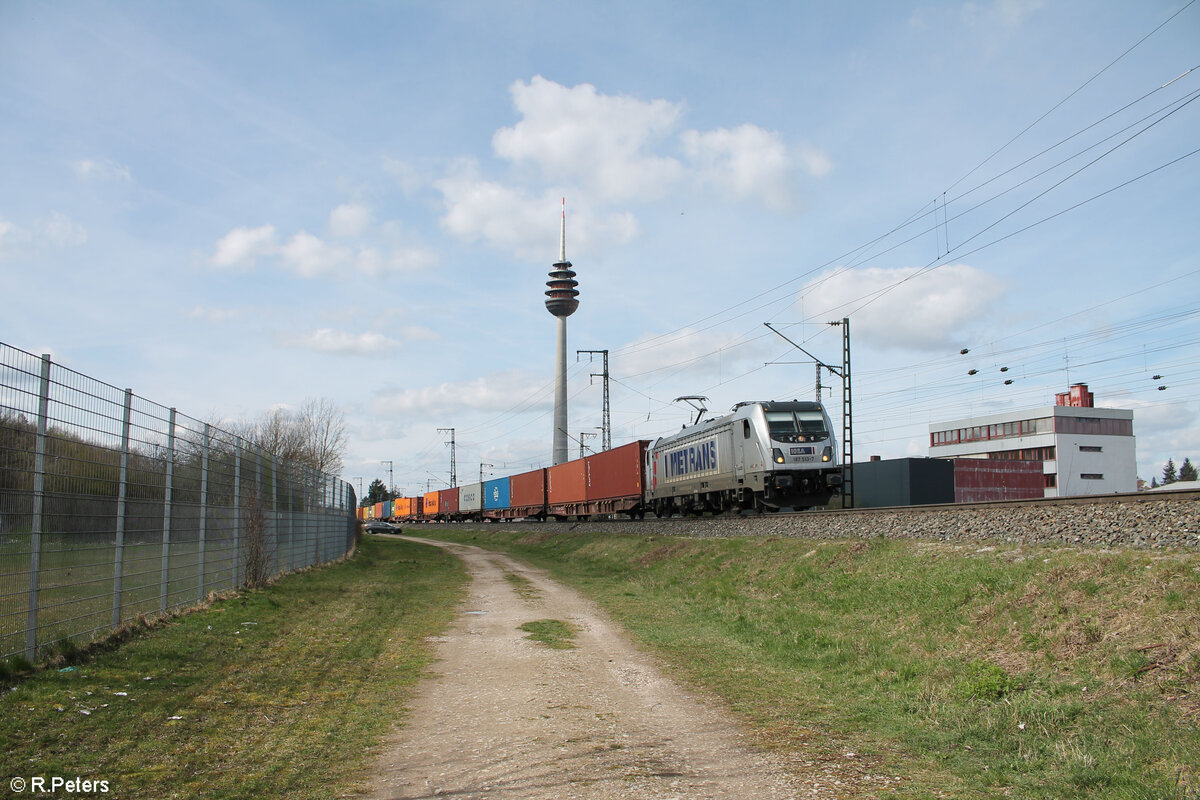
(561, 302)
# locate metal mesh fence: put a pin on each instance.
(113, 507)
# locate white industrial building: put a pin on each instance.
(1083, 449)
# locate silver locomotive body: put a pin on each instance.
(762, 455)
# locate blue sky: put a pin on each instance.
(232, 207)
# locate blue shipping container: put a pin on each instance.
(496, 494)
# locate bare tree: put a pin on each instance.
(314, 436)
(323, 429)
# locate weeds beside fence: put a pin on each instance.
(113, 507)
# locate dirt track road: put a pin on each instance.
(510, 718)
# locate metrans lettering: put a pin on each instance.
(692, 459)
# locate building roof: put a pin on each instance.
(1032, 413)
(1177, 486)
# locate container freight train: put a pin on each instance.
(762, 456)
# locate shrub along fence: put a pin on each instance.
(113, 507)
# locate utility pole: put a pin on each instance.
(847, 418)
(818, 361)
(453, 474)
(847, 404)
(391, 477)
(606, 426)
(582, 446)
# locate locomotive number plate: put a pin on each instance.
(802, 451)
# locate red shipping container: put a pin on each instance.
(979, 480)
(617, 472)
(380, 513)
(430, 504)
(528, 489)
(448, 501)
(566, 483)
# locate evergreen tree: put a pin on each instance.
(1169, 475)
(1187, 472)
(377, 492)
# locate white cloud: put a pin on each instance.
(308, 256)
(374, 263)
(7, 230)
(213, 314)
(59, 230)
(102, 170)
(498, 390)
(745, 162)
(511, 219)
(328, 340)
(609, 149)
(899, 308)
(242, 246)
(408, 177)
(54, 231)
(503, 217)
(602, 141)
(349, 219)
(816, 162)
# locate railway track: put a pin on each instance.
(1141, 519)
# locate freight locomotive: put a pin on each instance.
(762, 456)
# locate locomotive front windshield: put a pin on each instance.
(797, 426)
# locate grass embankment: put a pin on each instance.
(274, 693)
(923, 670)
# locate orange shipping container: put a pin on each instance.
(617, 472)
(567, 483)
(430, 506)
(528, 490)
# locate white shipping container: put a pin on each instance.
(470, 498)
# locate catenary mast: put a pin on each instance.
(561, 302)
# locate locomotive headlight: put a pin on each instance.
(827, 455)
(777, 454)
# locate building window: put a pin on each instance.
(1092, 476)
(1103, 427)
(1027, 454)
(1084, 448)
(1051, 480)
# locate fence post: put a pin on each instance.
(261, 497)
(39, 494)
(291, 507)
(203, 508)
(312, 515)
(275, 513)
(122, 495)
(237, 512)
(168, 492)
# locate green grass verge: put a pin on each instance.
(280, 692)
(523, 587)
(928, 670)
(554, 633)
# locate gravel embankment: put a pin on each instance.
(1142, 521)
